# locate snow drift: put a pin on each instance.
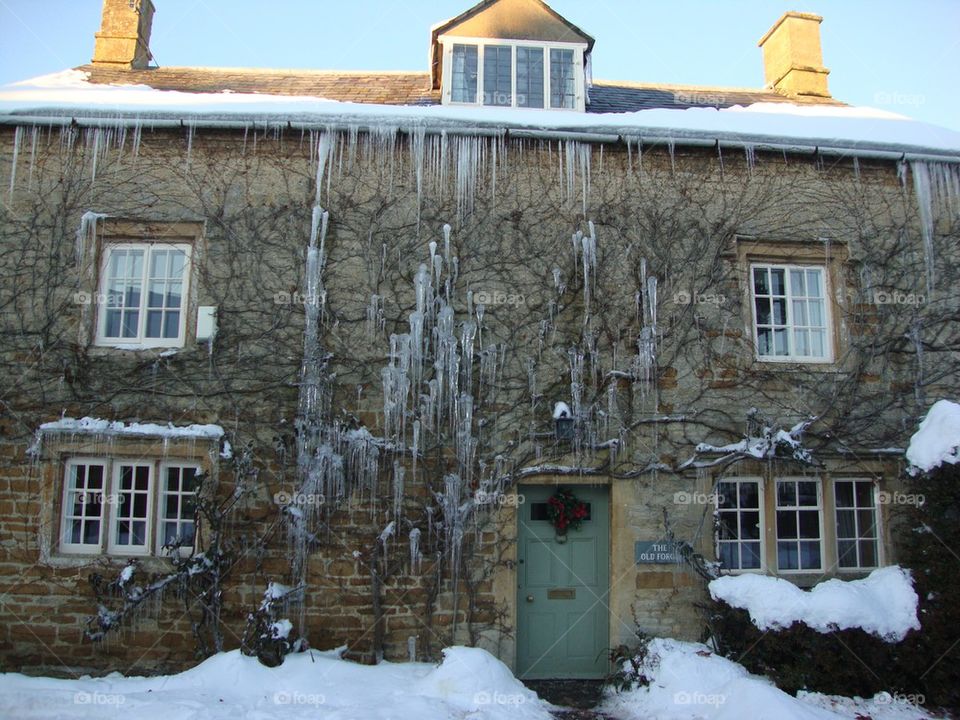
(469, 683)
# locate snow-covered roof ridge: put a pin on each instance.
(937, 441)
(97, 426)
(68, 97)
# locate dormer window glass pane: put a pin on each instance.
(497, 71)
(464, 83)
(530, 77)
(562, 82)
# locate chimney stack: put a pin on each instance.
(792, 58)
(124, 37)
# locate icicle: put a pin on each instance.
(468, 332)
(34, 136)
(191, 130)
(925, 203)
(416, 557)
(17, 140)
(415, 447)
(398, 488)
(376, 321)
(87, 233)
(750, 155)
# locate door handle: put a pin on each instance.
(529, 598)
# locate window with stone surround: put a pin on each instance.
(799, 531)
(795, 525)
(790, 316)
(124, 507)
(740, 534)
(793, 294)
(855, 502)
(140, 295)
(513, 73)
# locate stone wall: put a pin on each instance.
(693, 219)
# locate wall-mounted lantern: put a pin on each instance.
(563, 421)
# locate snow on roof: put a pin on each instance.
(96, 426)
(938, 439)
(69, 95)
(883, 603)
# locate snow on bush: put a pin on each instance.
(688, 681)
(883, 603)
(938, 439)
(469, 683)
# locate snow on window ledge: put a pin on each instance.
(96, 426)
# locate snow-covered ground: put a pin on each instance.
(883, 603)
(470, 683)
(687, 682)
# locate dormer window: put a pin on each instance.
(508, 73)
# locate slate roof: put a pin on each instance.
(413, 88)
(380, 88)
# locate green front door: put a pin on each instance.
(563, 586)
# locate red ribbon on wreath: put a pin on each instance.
(566, 511)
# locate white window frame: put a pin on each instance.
(878, 529)
(827, 315)
(163, 495)
(117, 506)
(110, 505)
(448, 41)
(761, 500)
(65, 504)
(796, 508)
(140, 341)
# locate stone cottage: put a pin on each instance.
(496, 353)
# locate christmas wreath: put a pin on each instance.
(565, 510)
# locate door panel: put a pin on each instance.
(563, 589)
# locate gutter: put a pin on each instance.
(601, 135)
